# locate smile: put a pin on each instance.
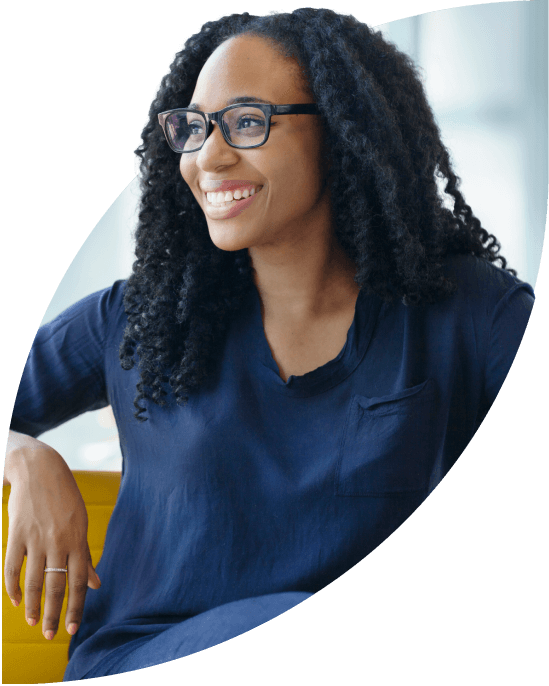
(227, 202)
(224, 198)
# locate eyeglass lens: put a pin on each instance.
(243, 126)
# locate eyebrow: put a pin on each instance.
(235, 101)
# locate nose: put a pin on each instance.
(214, 145)
(212, 132)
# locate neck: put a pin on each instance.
(303, 279)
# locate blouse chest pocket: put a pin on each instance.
(387, 445)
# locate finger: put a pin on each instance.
(55, 583)
(15, 554)
(34, 581)
(78, 585)
(93, 579)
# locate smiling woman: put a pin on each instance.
(289, 219)
(311, 334)
(335, 215)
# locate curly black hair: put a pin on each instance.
(387, 164)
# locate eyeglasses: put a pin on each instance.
(242, 126)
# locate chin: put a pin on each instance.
(225, 239)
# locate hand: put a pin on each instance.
(48, 523)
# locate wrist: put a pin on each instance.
(25, 454)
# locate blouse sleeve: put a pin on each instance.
(64, 375)
(507, 328)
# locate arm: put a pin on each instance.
(19, 443)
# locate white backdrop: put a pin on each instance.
(488, 97)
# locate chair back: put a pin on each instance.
(27, 657)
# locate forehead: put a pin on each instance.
(248, 66)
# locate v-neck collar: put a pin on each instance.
(328, 375)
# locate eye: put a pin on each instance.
(195, 128)
(261, 122)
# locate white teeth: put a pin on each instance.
(228, 196)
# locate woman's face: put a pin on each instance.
(290, 203)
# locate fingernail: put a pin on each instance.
(73, 628)
(31, 621)
(49, 634)
(15, 602)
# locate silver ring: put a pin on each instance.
(56, 569)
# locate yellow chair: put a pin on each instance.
(27, 657)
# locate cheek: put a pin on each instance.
(299, 178)
(188, 172)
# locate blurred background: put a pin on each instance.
(485, 72)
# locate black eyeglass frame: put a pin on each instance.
(211, 117)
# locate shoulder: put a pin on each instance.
(96, 316)
(482, 284)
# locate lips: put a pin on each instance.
(229, 210)
(210, 185)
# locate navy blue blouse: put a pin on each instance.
(259, 486)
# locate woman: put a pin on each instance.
(313, 334)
